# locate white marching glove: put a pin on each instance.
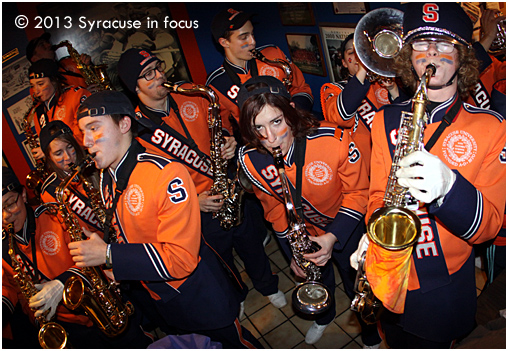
(47, 298)
(356, 257)
(428, 179)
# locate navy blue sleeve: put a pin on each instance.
(353, 94)
(303, 102)
(343, 225)
(482, 55)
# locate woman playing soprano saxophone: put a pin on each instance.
(333, 187)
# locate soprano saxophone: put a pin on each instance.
(101, 300)
(286, 67)
(35, 178)
(395, 226)
(93, 74)
(229, 214)
(311, 297)
(51, 334)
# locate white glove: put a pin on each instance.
(356, 257)
(47, 298)
(426, 176)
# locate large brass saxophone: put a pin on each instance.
(394, 226)
(35, 178)
(101, 301)
(311, 297)
(229, 213)
(51, 334)
(286, 67)
(93, 74)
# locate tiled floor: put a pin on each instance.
(282, 329)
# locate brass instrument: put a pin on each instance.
(229, 214)
(311, 297)
(51, 334)
(93, 74)
(34, 179)
(101, 301)
(286, 67)
(378, 40)
(394, 226)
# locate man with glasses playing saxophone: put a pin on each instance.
(40, 247)
(459, 185)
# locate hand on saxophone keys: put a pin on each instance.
(210, 203)
(47, 299)
(326, 242)
(88, 253)
(37, 153)
(229, 148)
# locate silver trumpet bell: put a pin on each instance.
(378, 39)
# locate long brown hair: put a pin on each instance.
(66, 138)
(301, 122)
(467, 75)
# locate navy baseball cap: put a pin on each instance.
(106, 102)
(440, 19)
(51, 131)
(9, 180)
(30, 48)
(274, 86)
(44, 68)
(226, 20)
(131, 64)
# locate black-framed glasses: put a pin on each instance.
(149, 75)
(444, 47)
(11, 206)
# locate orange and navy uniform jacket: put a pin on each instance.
(76, 197)
(194, 112)
(492, 73)
(301, 94)
(64, 110)
(157, 221)
(334, 184)
(352, 105)
(53, 262)
(441, 278)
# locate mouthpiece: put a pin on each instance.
(432, 68)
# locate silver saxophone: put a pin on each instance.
(286, 67)
(311, 297)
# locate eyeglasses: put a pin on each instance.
(11, 206)
(444, 47)
(161, 66)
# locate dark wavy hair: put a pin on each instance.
(301, 122)
(467, 75)
(69, 139)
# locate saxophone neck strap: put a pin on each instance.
(235, 78)
(121, 183)
(448, 119)
(300, 146)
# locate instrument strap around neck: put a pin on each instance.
(300, 147)
(235, 78)
(447, 120)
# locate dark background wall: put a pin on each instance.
(201, 54)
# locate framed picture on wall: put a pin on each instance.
(306, 53)
(106, 44)
(296, 13)
(15, 77)
(350, 8)
(333, 36)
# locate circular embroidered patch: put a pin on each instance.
(269, 71)
(190, 111)
(382, 96)
(50, 243)
(459, 148)
(134, 199)
(318, 173)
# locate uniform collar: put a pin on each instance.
(123, 165)
(28, 230)
(238, 69)
(439, 112)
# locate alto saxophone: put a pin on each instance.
(35, 178)
(229, 213)
(101, 301)
(311, 297)
(286, 67)
(51, 334)
(93, 74)
(394, 226)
